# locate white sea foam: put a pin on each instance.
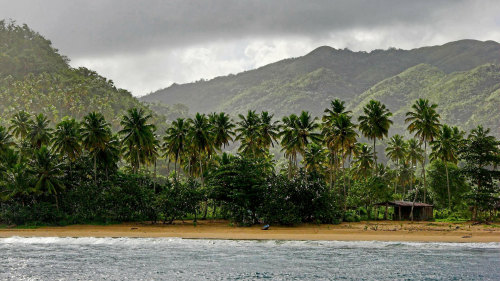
(262, 243)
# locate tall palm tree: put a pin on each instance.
(96, 132)
(48, 172)
(337, 107)
(306, 129)
(201, 137)
(20, 124)
(248, 133)
(222, 128)
(289, 140)
(66, 139)
(445, 147)
(375, 123)
(424, 123)
(414, 155)
(396, 151)
(175, 140)
(39, 131)
(109, 154)
(138, 137)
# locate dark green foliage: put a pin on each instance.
(437, 184)
(178, 199)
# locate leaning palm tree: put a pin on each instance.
(66, 139)
(375, 123)
(424, 124)
(396, 151)
(39, 131)
(175, 140)
(95, 133)
(445, 147)
(138, 137)
(223, 129)
(20, 124)
(48, 172)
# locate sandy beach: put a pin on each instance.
(359, 231)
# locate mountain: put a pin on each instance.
(36, 78)
(460, 70)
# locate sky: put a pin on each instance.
(147, 45)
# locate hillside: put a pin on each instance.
(321, 75)
(36, 78)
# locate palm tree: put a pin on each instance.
(39, 131)
(375, 123)
(138, 137)
(201, 136)
(248, 133)
(396, 151)
(363, 160)
(20, 124)
(445, 148)
(48, 173)
(289, 140)
(95, 134)
(66, 139)
(268, 130)
(314, 158)
(222, 128)
(414, 155)
(109, 154)
(5, 140)
(424, 123)
(175, 140)
(306, 130)
(337, 107)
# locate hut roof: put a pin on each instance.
(403, 204)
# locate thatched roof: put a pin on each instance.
(403, 204)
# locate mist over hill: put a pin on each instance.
(462, 77)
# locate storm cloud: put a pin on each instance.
(146, 45)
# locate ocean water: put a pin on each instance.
(186, 259)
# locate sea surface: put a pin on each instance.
(186, 259)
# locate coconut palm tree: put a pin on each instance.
(20, 124)
(268, 130)
(375, 123)
(445, 147)
(396, 151)
(222, 128)
(201, 137)
(48, 172)
(306, 129)
(109, 154)
(66, 139)
(39, 131)
(138, 137)
(175, 140)
(414, 155)
(314, 158)
(337, 107)
(289, 140)
(363, 161)
(424, 124)
(248, 133)
(95, 133)
(5, 140)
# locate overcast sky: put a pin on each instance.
(147, 45)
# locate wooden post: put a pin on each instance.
(399, 211)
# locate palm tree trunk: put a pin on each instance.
(448, 185)
(154, 182)
(95, 168)
(375, 155)
(423, 170)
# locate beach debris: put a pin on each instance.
(467, 236)
(266, 227)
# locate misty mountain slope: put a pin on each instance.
(291, 84)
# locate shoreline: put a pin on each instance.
(356, 231)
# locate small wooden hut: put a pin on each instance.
(402, 210)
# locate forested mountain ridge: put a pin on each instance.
(34, 77)
(311, 81)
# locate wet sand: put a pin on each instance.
(359, 231)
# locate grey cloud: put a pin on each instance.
(82, 28)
